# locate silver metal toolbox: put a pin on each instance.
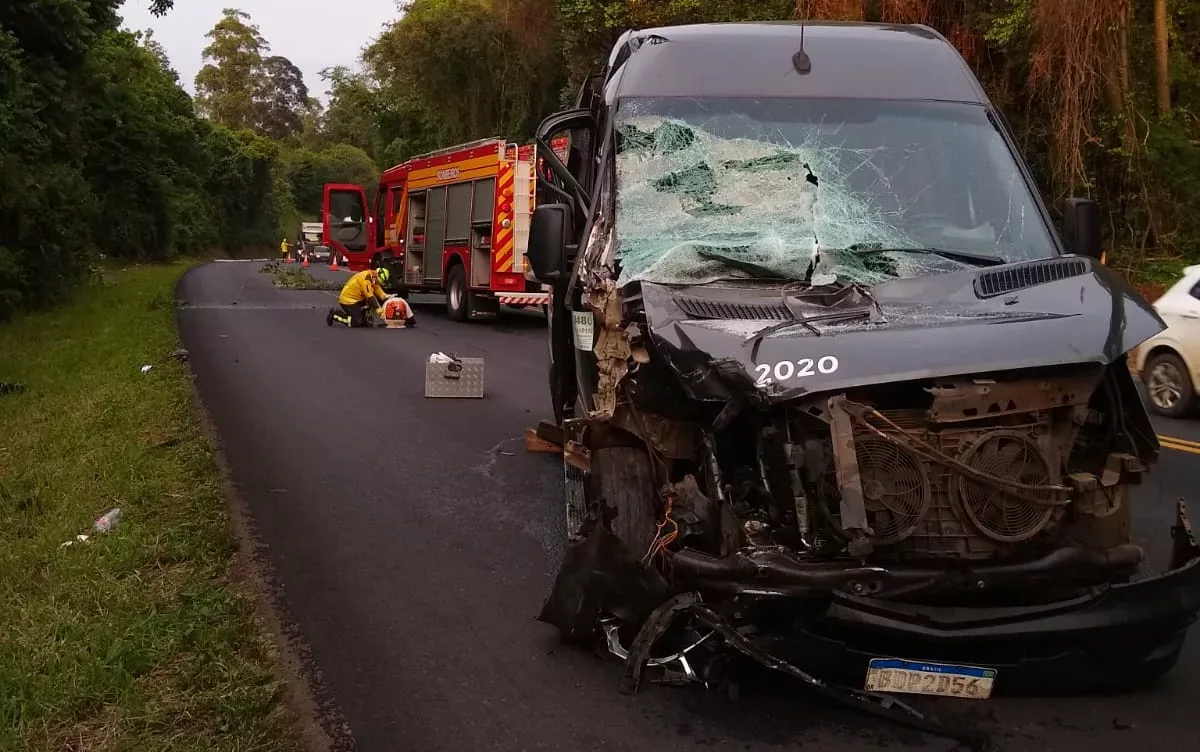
(462, 378)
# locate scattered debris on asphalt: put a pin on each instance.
(546, 438)
(296, 278)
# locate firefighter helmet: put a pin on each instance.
(383, 274)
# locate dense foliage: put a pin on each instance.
(1105, 96)
(102, 151)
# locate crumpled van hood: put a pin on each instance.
(972, 322)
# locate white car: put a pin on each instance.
(1169, 362)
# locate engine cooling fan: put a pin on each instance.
(1001, 515)
(895, 488)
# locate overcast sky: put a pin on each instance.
(313, 34)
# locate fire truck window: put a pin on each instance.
(416, 218)
(346, 205)
(485, 200)
(380, 218)
(435, 233)
(394, 196)
(458, 212)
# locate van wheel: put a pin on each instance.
(622, 479)
(458, 297)
(1168, 385)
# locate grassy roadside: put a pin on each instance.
(135, 640)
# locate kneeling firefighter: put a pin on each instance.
(361, 290)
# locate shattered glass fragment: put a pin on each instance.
(719, 188)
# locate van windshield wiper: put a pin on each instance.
(807, 322)
(756, 271)
(966, 257)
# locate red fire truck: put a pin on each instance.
(453, 221)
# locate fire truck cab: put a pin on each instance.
(454, 222)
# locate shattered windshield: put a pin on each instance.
(818, 189)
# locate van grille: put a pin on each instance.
(993, 283)
(703, 308)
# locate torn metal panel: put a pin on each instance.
(883, 706)
(689, 604)
(853, 511)
(973, 399)
(577, 455)
(612, 348)
(599, 575)
(686, 671)
(1185, 551)
(673, 439)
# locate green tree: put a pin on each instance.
(227, 85)
(354, 110)
(307, 171)
(143, 157)
(501, 84)
(282, 99)
(240, 86)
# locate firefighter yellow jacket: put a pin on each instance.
(362, 286)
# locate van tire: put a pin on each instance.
(458, 295)
(623, 480)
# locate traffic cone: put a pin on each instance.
(333, 267)
(305, 264)
(287, 259)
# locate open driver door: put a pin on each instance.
(346, 222)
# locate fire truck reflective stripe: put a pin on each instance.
(504, 261)
(503, 254)
(536, 298)
(504, 250)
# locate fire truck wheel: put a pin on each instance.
(458, 298)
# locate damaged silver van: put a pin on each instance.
(835, 393)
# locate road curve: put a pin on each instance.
(413, 541)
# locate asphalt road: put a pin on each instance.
(414, 541)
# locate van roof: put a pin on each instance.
(852, 60)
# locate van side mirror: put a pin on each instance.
(550, 242)
(1081, 227)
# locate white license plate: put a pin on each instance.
(922, 678)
